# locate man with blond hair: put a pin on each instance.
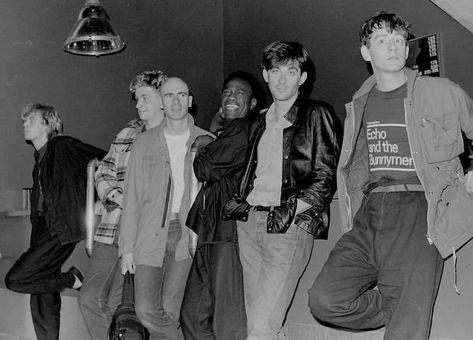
(57, 211)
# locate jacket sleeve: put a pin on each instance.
(465, 108)
(326, 150)
(132, 201)
(225, 155)
(107, 181)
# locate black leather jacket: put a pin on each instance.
(310, 156)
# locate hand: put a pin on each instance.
(469, 182)
(202, 141)
(128, 263)
(217, 121)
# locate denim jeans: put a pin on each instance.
(272, 266)
(159, 290)
(38, 272)
(387, 247)
(101, 290)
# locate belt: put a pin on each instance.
(399, 187)
(173, 216)
(262, 208)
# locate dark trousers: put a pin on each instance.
(387, 247)
(214, 304)
(38, 272)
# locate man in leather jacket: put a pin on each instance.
(285, 192)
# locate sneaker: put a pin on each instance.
(78, 277)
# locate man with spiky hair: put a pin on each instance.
(287, 186)
(404, 199)
(101, 291)
(57, 217)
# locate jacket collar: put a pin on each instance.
(371, 82)
(291, 115)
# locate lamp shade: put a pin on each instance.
(93, 33)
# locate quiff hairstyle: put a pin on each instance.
(151, 78)
(283, 52)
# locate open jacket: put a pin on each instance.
(148, 196)
(436, 113)
(63, 177)
(310, 154)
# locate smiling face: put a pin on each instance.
(284, 80)
(176, 99)
(237, 99)
(148, 105)
(387, 51)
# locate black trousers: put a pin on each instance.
(387, 247)
(38, 272)
(214, 305)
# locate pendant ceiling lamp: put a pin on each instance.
(93, 33)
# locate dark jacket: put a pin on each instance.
(310, 155)
(219, 166)
(63, 176)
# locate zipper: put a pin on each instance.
(166, 202)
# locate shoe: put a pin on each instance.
(77, 275)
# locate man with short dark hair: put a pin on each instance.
(154, 240)
(57, 217)
(404, 199)
(241, 97)
(101, 292)
(287, 186)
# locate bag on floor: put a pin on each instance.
(125, 324)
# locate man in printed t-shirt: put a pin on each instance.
(388, 147)
(404, 198)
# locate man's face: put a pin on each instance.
(284, 80)
(236, 99)
(176, 99)
(34, 128)
(148, 105)
(387, 51)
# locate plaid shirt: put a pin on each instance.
(109, 181)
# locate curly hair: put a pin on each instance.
(152, 78)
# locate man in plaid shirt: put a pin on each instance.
(101, 291)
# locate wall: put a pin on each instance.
(329, 31)
(202, 41)
(91, 93)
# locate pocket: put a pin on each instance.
(441, 136)
(455, 211)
